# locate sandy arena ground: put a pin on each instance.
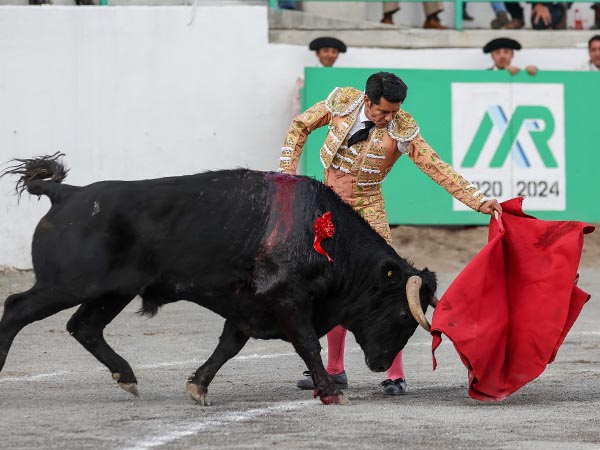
(53, 394)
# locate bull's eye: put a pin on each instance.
(404, 315)
(389, 273)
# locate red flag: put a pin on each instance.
(509, 310)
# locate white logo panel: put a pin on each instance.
(509, 140)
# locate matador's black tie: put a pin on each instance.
(361, 135)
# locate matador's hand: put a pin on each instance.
(488, 207)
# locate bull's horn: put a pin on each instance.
(414, 303)
(434, 301)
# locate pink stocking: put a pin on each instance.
(336, 340)
(396, 370)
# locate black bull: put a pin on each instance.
(238, 242)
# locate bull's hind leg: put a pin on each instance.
(232, 340)
(87, 326)
(27, 307)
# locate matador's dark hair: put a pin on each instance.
(386, 85)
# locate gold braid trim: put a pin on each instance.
(403, 127)
(302, 125)
(342, 101)
(443, 174)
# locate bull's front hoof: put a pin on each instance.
(198, 393)
(333, 399)
(129, 387)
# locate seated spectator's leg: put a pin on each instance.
(499, 7)
(432, 21)
(596, 8)
(287, 4)
(389, 8)
(539, 24)
(465, 14)
(501, 19)
(516, 12)
(40, 2)
(559, 16)
(85, 2)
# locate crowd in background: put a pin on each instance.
(508, 15)
(327, 50)
(49, 2)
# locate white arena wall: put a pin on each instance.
(143, 92)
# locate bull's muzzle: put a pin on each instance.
(413, 286)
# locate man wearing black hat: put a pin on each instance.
(502, 52)
(327, 49)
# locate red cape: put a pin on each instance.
(509, 310)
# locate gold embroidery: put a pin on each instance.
(342, 101)
(370, 205)
(443, 174)
(403, 128)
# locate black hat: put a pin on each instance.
(327, 42)
(495, 44)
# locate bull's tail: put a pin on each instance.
(33, 173)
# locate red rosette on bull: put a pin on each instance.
(324, 229)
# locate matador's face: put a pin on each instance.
(381, 114)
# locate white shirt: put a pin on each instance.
(359, 125)
(588, 66)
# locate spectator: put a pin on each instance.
(431, 9)
(286, 4)
(596, 25)
(501, 19)
(549, 15)
(465, 14)
(516, 14)
(327, 49)
(49, 2)
(594, 51)
(543, 16)
(502, 52)
(501, 12)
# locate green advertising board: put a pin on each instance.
(531, 136)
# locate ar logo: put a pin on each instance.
(528, 116)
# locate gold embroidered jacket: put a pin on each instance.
(369, 162)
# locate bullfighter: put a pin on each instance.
(368, 133)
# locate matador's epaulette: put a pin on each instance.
(342, 101)
(403, 127)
